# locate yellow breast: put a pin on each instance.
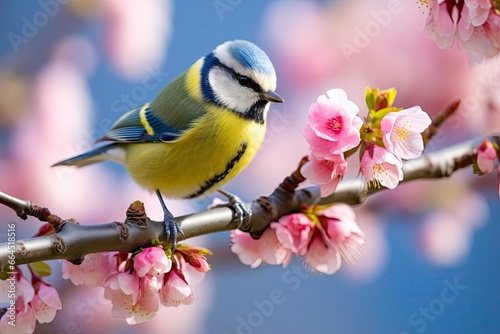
(202, 160)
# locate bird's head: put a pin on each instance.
(239, 76)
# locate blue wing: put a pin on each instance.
(139, 126)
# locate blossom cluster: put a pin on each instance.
(324, 236)
(388, 136)
(473, 24)
(35, 300)
(136, 284)
(321, 236)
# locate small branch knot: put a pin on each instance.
(124, 233)
(56, 222)
(136, 214)
(59, 245)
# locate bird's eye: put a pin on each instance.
(244, 81)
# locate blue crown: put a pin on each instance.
(251, 56)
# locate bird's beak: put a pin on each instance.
(271, 97)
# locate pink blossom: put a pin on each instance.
(440, 26)
(25, 321)
(124, 281)
(253, 252)
(486, 156)
(342, 231)
(144, 309)
(479, 11)
(191, 274)
(381, 167)
(198, 261)
(474, 24)
(338, 237)
(294, 232)
(479, 39)
(152, 261)
(91, 272)
(402, 132)
(333, 125)
(322, 258)
(46, 303)
(25, 290)
(150, 285)
(325, 172)
(176, 290)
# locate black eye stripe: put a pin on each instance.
(251, 83)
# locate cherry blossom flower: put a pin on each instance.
(474, 24)
(149, 285)
(152, 261)
(343, 233)
(338, 238)
(294, 232)
(198, 261)
(22, 312)
(125, 282)
(440, 26)
(486, 156)
(381, 167)
(333, 125)
(323, 236)
(142, 310)
(25, 321)
(46, 303)
(402, 132)
(325, 172)
(266, 249)
(176, 290)
(91, 272)
(321, 258)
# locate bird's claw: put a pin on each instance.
(242, 213)
(172, 229)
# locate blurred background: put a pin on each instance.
(69, 69)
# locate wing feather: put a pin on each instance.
(139, 126)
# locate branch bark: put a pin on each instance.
(73, 241)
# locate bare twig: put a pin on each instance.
(73, 242)
(439, 120)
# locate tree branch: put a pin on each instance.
(72, 241)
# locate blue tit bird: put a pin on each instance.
(200, 131)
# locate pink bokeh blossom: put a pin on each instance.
(473, 24)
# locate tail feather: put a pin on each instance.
(107, 152)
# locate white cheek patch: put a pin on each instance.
(229, 92)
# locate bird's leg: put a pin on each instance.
(171, 228)
(242, 213)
